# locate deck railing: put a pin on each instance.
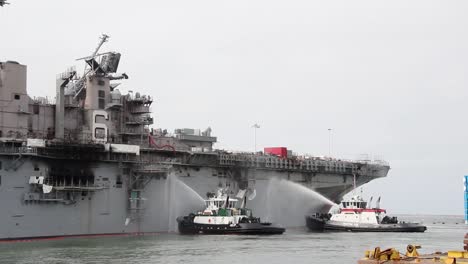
(310, 164)
(224, 159)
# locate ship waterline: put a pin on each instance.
(91, 163)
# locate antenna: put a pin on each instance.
(104, 39)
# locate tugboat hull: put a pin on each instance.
(318, 224)
(187, 226)
(315, 223)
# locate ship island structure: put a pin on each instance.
(92, 163)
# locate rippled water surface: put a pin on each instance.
(295, 246)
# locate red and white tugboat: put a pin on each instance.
(355, 216)
(221, 216)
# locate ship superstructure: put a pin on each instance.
(91, 163)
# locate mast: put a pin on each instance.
(80, 84)
(354, 184)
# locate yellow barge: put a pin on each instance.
(393, 256)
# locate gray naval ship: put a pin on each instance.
(90, 162)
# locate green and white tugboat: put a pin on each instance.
(222, 216)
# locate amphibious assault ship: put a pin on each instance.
(91, 162)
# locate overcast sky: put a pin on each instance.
(389, 77)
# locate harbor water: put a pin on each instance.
(297, 245)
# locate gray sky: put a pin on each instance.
(389, 77)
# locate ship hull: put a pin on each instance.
(72, 209)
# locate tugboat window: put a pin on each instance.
(17, 96)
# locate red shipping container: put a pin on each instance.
(277, 151)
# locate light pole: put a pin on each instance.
(329, 142)
(255, 126)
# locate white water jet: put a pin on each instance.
(288, 202)
(180, 200)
